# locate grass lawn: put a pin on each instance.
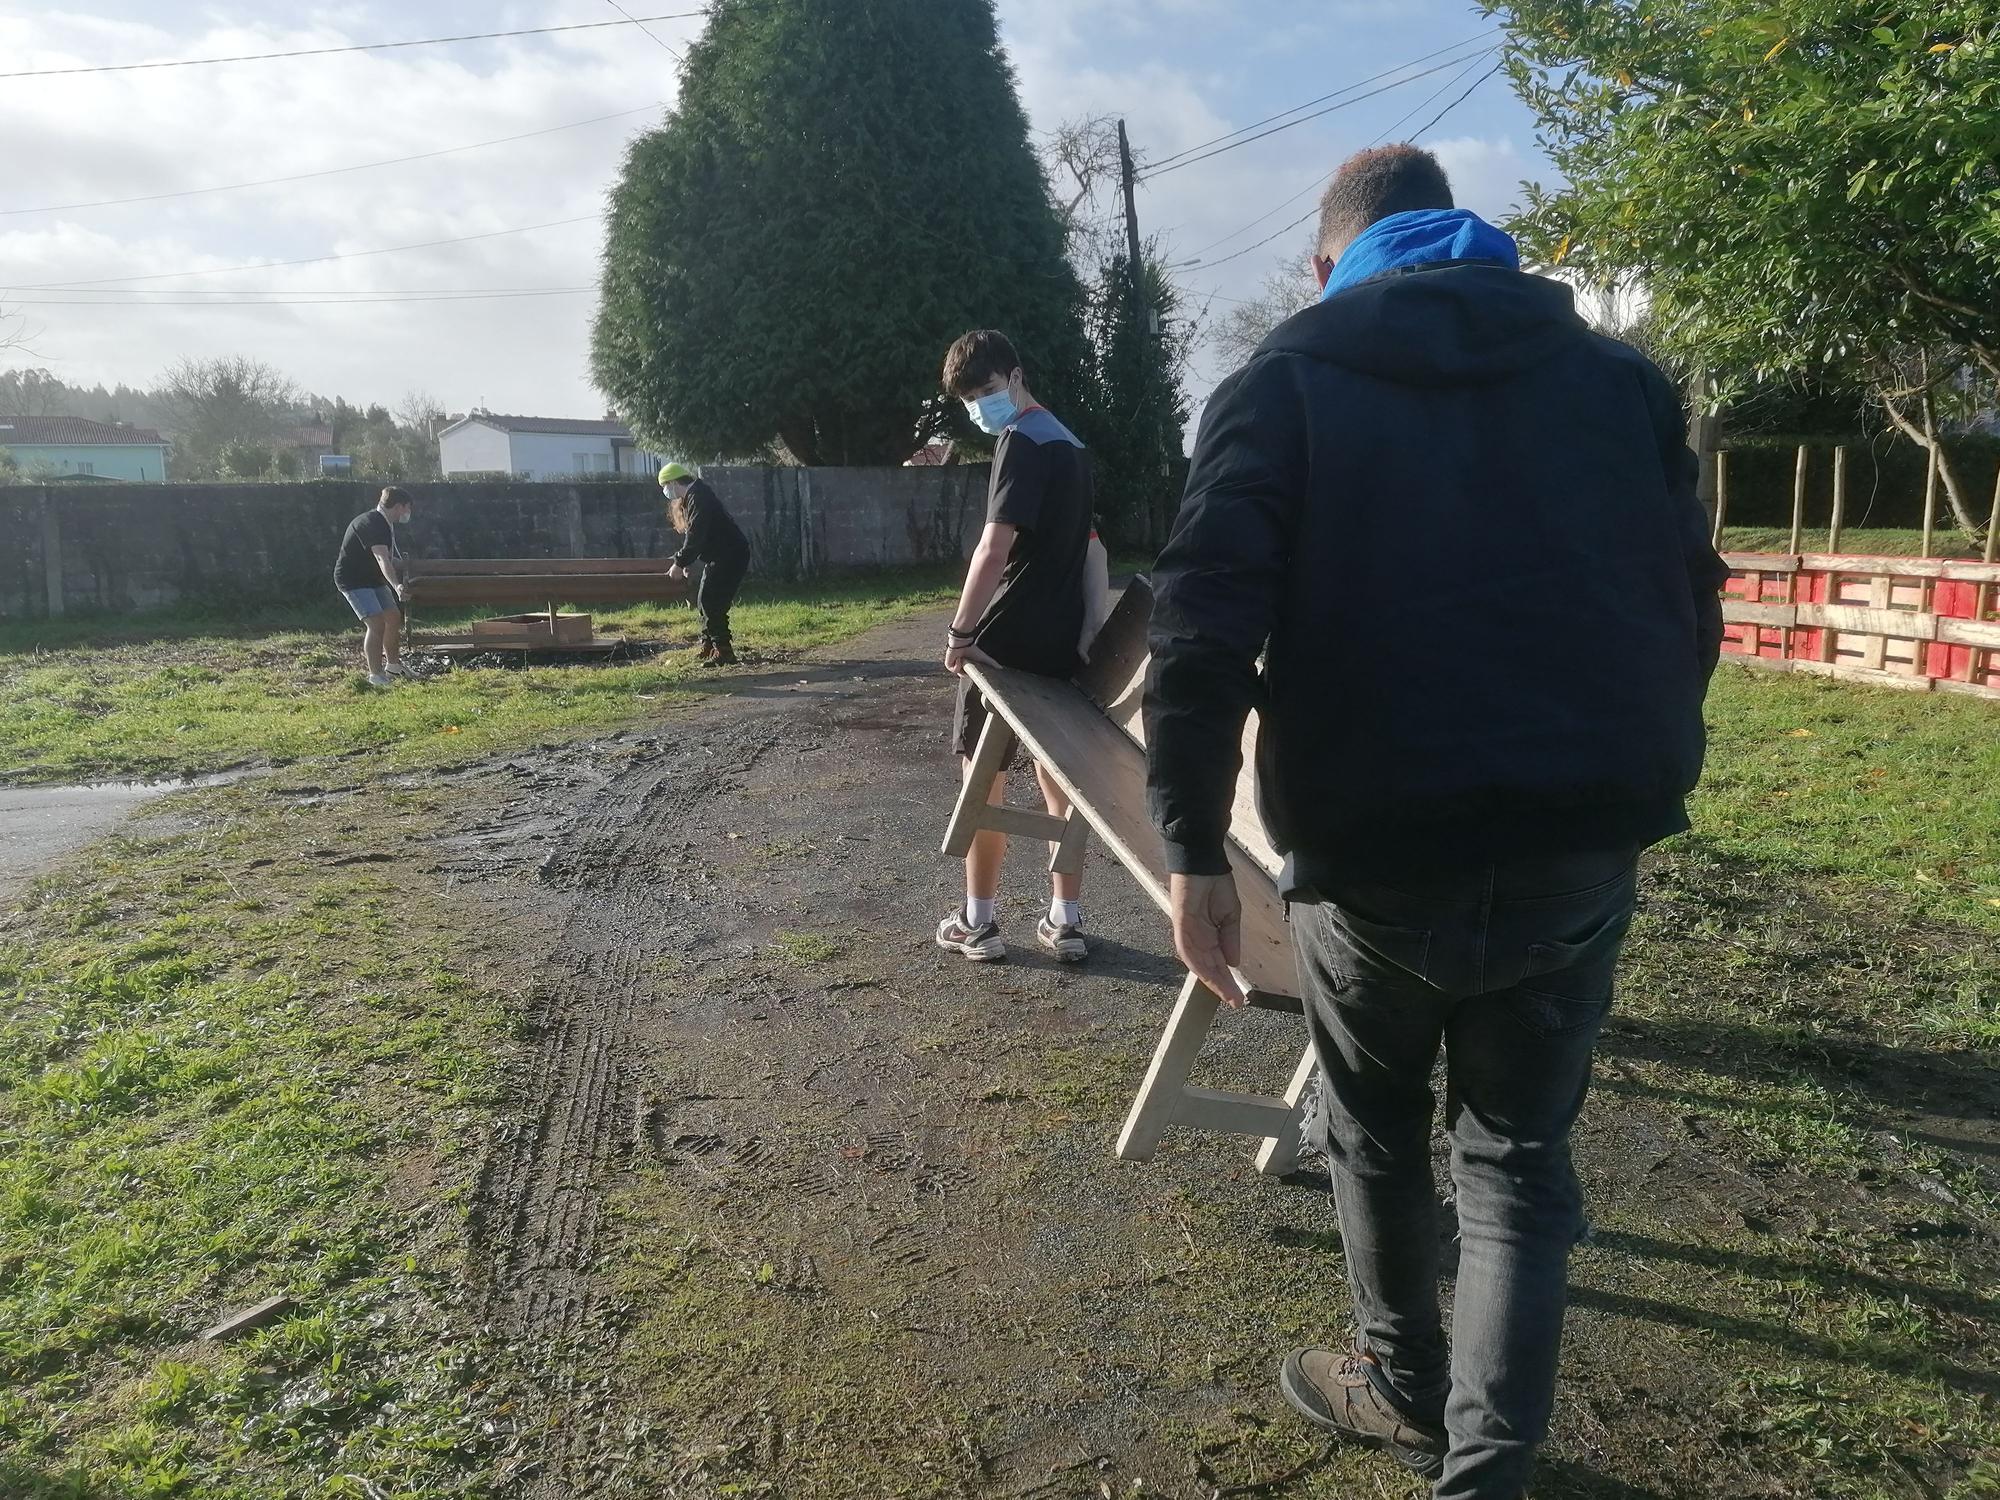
(257, 1049)
(1864, 541)
(179, 693)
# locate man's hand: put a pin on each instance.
(675, 570)
(1208, 930)
(956, 656)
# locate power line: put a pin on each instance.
(1302, 120)
(1427, 125)
(657, 39)
(1153, 166)
(429, 41)
(393, 161)
(355, 301)
(311, 260)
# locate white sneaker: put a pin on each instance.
(380, 679)
(399, 668)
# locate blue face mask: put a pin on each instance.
(993, 414)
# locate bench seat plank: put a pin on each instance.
(1103, 772)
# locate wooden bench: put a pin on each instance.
(451, 583)
(1089, 736)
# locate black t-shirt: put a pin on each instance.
(1042, 487)
(355, 567)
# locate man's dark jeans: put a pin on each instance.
(1509, 967)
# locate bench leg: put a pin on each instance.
(1067, 854)
(1173, 1060)
(1280, 1153)
(989, 759)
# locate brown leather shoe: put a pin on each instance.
(1344, 1391)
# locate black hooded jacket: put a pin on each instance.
(1461, 530)
(713, 537)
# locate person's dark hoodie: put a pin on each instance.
(712, 536)
(1463, 527)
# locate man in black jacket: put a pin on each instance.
(1460, 530)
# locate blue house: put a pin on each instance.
(76, 447)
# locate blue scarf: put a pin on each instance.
(1420, 238)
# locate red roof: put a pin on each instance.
(73, 431)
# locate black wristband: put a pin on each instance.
(962, 635)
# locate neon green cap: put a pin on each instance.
(670, 472)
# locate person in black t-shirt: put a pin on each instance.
(1022, 606)
(709, 537)
(368, 571)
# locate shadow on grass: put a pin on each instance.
(21, 1480)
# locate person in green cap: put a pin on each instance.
(711, 538)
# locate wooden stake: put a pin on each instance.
(1977, 662)
(1799, 505)
(1839, 499)
(1721, 496)
(1930, 498)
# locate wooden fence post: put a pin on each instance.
(1930, 498)
(1976, 660)
(1799, 505)
(52, 556)
(1839, 498)
(1721, 496)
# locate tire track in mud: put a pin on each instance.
(537, 1213)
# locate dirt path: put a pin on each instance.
(796, 1206)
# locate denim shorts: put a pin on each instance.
(370, 602)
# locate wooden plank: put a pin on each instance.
(1762, 562)
(1103, 772)
(1847, 673)
(989, 758)
(540, 588)
(1153, 1107)
(1770, 616)
(485, 567)
(1115, 676)
(1721, 496)
(1902, 624)
(1280, 1153)
(1873, 648)
(1236, 1114)
(1967, 689)
(1930, 498)
(1073, 848)
(1981, 634)
(1839, 522)
(1960, 569)
(1799, 502)
(270, 1309)
(1022, 822)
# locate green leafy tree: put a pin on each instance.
(1808, 191)
(246, 461)
(1137, 435)
(841, 191)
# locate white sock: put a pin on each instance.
(1065, 913)
(979, 910)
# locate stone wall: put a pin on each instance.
(141, 546)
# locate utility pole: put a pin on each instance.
(1136, 271)
(1132, 266)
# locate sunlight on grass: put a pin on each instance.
(82, 698)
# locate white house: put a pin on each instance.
(76, 447)
(485, 442)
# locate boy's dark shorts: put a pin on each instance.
(968, 719)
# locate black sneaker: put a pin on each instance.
(1065, 942)
(1346, 1392)
(981, 944)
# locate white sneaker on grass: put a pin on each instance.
(399, 668)
(380, 679)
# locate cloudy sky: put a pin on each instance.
(100, 288)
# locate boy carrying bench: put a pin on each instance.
(1022, 606)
